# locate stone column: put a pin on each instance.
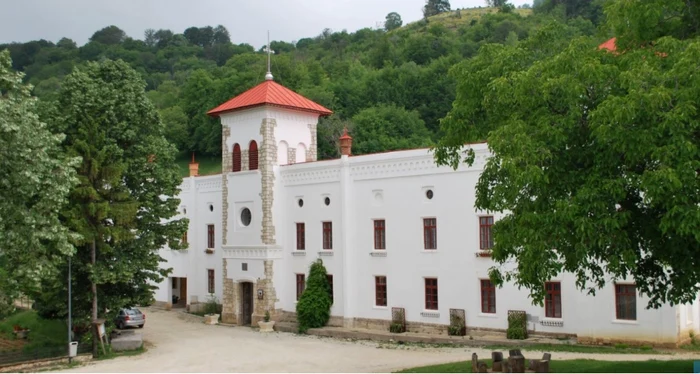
(244, 160)
(312, 153)
(226, 166)
(228, 313)
(267, 158)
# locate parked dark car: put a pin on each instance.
(130, 317)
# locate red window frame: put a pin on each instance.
(430, 233)
(301, 236)
(329, 277)
(211, 242)
(552, 299)
(485, 232)
(327, 235)
(379, 234)
(626, 301)
(380, 290)
(236, 158)
(184, 238)
(253, 155)
(210, 281)
(488, 296)
(301, 284)
(431, 293)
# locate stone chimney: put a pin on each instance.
(194, 167)
(345, 143)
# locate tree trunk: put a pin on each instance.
(95, 335)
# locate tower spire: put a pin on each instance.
(268, 76)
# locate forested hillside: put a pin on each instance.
(391, 88)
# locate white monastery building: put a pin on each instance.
(393, 229)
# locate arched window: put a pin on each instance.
(236, 157)
(253, 155)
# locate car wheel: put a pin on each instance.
(121, 326)
(140, 326)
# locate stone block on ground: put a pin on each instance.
(497, 359)
(517, 364)
(514, 352)
(505, 367)
(542, 367)
(127, 342)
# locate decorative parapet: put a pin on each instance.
(252, 252)
(551, 323)
(378, 253)
(325, 252)
(430, 314)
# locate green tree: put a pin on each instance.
(35, 179)
(595, 157)
(314, 306)
(496, 3)
(393, 21)
(388, 128)
(433, 7)
(109, 35)
(123, 205)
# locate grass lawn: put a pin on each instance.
(582, 349)
(42, 332)
(207, 164)
(577, 366)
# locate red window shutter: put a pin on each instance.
(210, 236)
(301, 284)
(236, 158)
(430, 233)
(301, 236)
(488, 296)
(626, 301)
(552, 301)
(485, 234)
(380, 290)
(210, 279)
(327, 235)
(431, 293)
(379, 234)
(253, 155)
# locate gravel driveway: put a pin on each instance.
(178, 344)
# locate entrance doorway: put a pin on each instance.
(179, 292)
(246, 303)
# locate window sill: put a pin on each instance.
(488, 315)
(298, 253)
(429, 251)
(380, 307)
(625, 321)
(209, 251)
(552, 322)
(378, 253)
(483, 253)
(430, 314)
(326, 252)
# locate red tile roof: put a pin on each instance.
(609, 45)
(270, 93)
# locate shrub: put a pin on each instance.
(396, 327)
(212, 305)
(517, 325)
(314, 306)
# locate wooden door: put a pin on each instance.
(183, 291)
(246, 303)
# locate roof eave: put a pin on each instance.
(217, 113)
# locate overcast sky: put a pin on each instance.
(247, 21)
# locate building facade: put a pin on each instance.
(393, 229)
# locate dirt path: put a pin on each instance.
(176, 344)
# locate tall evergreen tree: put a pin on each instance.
(433, 7)
(123, 204)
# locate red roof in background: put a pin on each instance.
(609, 45)
(270, 93)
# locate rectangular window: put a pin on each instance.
(210, 236)
(380, 291)
(626, 301)
(552, 300)
(184, 238)
(485, 236)
(488, 296)
(210, 280)
(330, 284)
(431, 293)
(301, 284)
(379, 234)
(301, 236)
(327, 235)
(430, 233)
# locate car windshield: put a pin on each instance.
(133, 312)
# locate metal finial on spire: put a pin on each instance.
(268, 76)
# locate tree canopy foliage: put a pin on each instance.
(393, 21)
(35, 179)
(595, 155)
